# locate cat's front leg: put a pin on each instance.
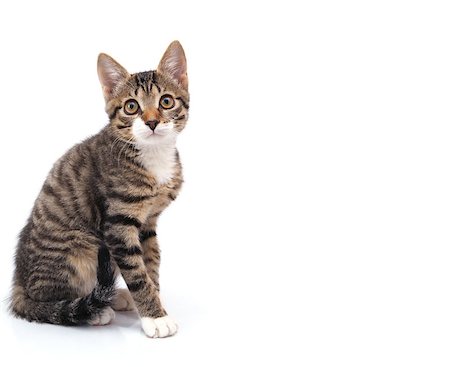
(151, 252)
(122, 237)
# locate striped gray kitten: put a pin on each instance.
(97, 211)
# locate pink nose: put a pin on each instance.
(152, 124)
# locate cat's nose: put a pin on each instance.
(152, 124)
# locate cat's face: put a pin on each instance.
(147, 108)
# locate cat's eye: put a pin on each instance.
(167, 101)
(131, 107)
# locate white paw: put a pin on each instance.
(159, 327)
(123, 300)
(103, 318)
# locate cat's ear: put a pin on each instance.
(111, 74)
(173, 63)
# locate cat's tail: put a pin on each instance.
(70, 312)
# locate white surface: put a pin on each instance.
(313, 226)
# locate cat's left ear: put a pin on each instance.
(111, 74)
(173, 63)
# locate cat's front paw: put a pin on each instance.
(159, 327)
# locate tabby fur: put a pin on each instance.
(97, 212)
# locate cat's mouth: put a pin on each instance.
(155, 134)
(152, 135)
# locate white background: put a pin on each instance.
(313, 227)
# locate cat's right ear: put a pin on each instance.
(111, 74)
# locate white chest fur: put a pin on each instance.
(159, 161)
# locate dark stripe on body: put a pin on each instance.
(52, 263)
(51, 237)
(124, 220)
(145, 235)
(125, 265)
(113, 240)
(45, 214)
(129, 198)
(41, 245)
(98, 205)
(56, 279)
(123, 251)
(139, 182)
(78, 211)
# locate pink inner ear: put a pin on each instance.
(173, 63)
(110, 74)
(110, 77)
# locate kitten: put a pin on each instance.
(97, 211)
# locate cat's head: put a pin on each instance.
(150, 107)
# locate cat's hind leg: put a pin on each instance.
(65, 287)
